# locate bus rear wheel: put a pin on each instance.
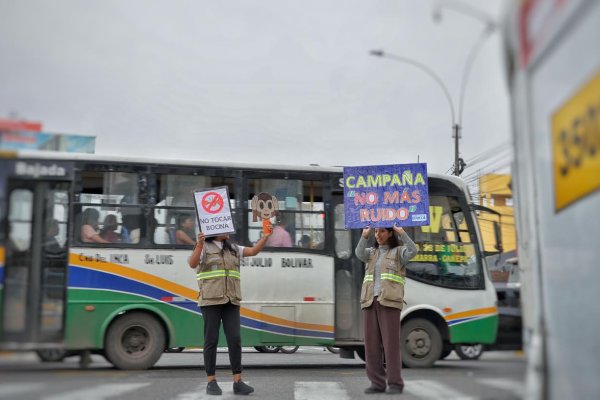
(421, 343)
(135, 341)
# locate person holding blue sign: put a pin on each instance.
(217, 262)
(382, 298)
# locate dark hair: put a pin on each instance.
(90, 216)
(226, 245)
(181, 218)
(392, 241)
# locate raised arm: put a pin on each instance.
(361, 248)
(257, 248)
(410, 249)
(197, 252)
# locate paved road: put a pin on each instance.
(311, 373)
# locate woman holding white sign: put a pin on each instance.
(382, 298)
(217, 262)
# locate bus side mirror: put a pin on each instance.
(498, 236)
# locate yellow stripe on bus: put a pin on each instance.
(472, 313)
(280, 321)
(136, 275)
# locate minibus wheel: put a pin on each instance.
(135, 340)
(421, 343)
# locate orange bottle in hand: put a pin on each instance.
(267, 227)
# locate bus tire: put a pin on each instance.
(289, 349)
(51, 355)
(268, 349)
(135, 341)
(466, 352)
(421, 343)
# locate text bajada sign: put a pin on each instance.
(381, 195)
(214, 213)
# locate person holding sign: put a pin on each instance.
(382, 298)
(217, 262)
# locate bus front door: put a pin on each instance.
(32, 308)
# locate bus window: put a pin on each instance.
(174, 215)
(343, 240)
(108, 210)
(301, 219)
(447, 255)
(21, 206)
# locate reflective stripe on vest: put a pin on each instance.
(219, 273)
(368, 278)
(392, 277)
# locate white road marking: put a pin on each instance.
(509, 385)
(428, 389)
(99, 392)
(8, 390)
(320, 391)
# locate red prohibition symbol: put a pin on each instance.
(212, 202)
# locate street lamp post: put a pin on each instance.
(490, 26)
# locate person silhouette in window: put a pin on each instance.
(89, 226)
(108, 229)
(280, 236)
(185, 230)
(51, 245)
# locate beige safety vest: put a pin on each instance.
(218, 277)
(392, 280)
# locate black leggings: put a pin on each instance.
(230, 315)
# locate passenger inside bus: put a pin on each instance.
(108, 231)
(304, 242)
(52, 245)
(89, 226)
(185, 230)
(280, 236)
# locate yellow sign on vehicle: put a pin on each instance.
(576, 145)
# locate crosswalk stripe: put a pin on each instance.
(319, 391)
(427, 389)
(99, 392)
(509, 385)
(8, 390)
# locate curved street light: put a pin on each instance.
(490, 27)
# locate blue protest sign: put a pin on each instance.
(383, 195)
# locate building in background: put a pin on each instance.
(28, 135)
(495, 192)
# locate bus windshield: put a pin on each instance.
(447, 255)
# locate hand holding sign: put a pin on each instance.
(267, 227)
(212, 208)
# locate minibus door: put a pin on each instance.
(36, 259)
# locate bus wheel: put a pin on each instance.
(421, 343)
(134, 341)
(289, 349)
(472, 352)
(51, 355)
(268, 349)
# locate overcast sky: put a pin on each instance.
(286, 82)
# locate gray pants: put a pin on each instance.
(382, 336)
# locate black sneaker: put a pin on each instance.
(374, 389)
(240, 387)
(213, 388)
(394, 389)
